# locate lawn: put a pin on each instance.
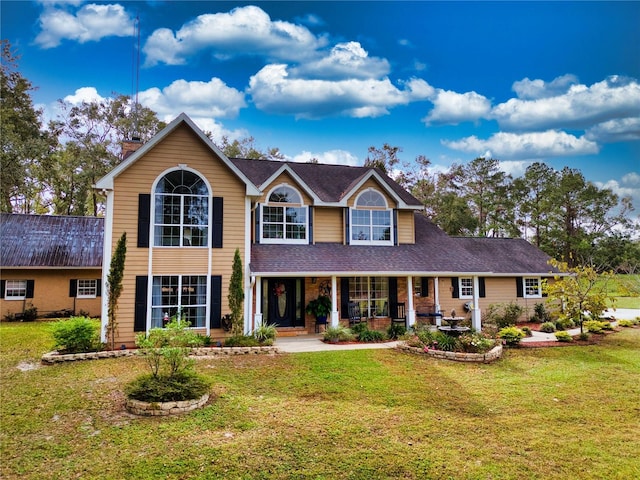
(542, 413)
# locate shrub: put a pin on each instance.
(184, 386)
(564, 323)
(265, 334)
(395, 331)
(564, 337)
(241, 341)
(76, 335)
(339, 333)
(540, 314)
(625, 323)
(583, 336)
(527, 331)
(447, 343)
(503, 314)
(606, 325)
(511, 335)
(475, 343)
(593, 326)
(30, 313)
(366, 335)
(548, 327)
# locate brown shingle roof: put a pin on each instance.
(50, 241)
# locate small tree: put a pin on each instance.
(236, 296)
(582, 290)
(114, 286)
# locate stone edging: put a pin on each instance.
(492, 355)
(161, 409)
(55, 357)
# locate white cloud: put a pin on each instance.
(242, 31)
(84, 94)
(617, 130)
(91, 23)
(453, 108)
(212, 99)
(580, 107)
(515, 168)
(274, 92)
(335, 157)
(532, 89)
(345, 60)
(514, 146)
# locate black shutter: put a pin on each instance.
(3, 287)
(217, 222)
(424, 287)
(455, 287)
(215, 302)
(393, 296)
(344, 297)
(519, 287)
(30, 288)
(73, 287)
(98, 287)
(481, 288)
(140, 307)
(144, 217)
(347, 232)
(310, 235)
(395, 226)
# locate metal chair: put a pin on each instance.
(355, 316)
(399, 314)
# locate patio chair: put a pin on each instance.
(355, 316)
(399, 315)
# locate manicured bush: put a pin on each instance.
(594, 326)
(76, 335)
(564, 323)
(241, 341)
(548, 327)
(606, 325)
(625, 323)
(511, 335)
(564, 337)
(364, 334)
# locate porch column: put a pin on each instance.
(335, 314)
(436, 300)
(257, 318)
(475, 308)
(411, 315)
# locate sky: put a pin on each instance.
(520, 82)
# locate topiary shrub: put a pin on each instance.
(511, 335)
(564, 337)
(76, 335)
(548, 327)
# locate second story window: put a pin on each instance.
(371, 220)
(181, 217)
(284, 217)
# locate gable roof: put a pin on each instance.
(32, 241)
(330, 184)
(106, 182)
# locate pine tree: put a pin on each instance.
(114, 285)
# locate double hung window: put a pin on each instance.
(466, 287)
(181, 210)
(15, 290)
(371, 221)
(284, 217)
(87, 288)
(532, 287)
(372, 294)
(181, 296)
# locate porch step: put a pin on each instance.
(291, 331)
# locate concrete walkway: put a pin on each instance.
(314, 343)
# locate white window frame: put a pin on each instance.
(372, 202)
(371, 294)
(465, 287)
(296, 203)
(158, 311)
(13, 287)
(88, 287)
(185, 229)
(526, 288)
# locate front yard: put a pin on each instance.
(363, 414)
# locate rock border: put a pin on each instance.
(163, 409)
(54, 357)
(491, 356)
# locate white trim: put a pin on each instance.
(248, 298)
(473, 287)
(301, 183)
(15, 297)
(107, 242)
(524, 287)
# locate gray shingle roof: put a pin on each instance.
(50, 241)
(329, 182)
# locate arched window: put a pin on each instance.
(371, 219)
(181, 216)
(284, 217)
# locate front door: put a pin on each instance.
(284, 307)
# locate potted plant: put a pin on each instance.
(320, 307)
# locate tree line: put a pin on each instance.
(51, 170)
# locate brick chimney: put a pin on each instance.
(130, 146)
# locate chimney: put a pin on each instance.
(130, 146)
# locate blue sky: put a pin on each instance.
(543, 81)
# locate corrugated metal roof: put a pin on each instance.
(50, 241)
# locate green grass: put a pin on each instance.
(545, 413)
(626, 290)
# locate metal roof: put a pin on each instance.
(50, 241)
